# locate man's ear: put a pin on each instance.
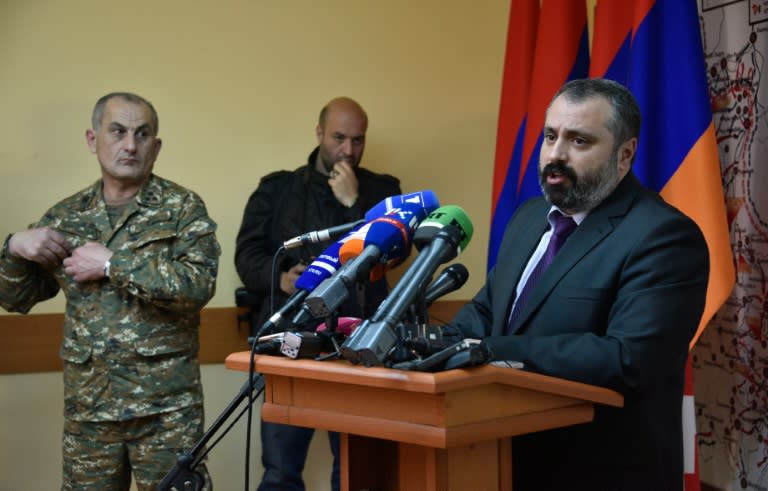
(625, 155)
(90, 140)
(319, 134)
(158, 146)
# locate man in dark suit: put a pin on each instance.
(616, 307)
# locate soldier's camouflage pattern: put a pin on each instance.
(131, 341)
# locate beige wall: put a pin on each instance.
(238, 85)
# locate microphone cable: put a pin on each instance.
(272, 285)
(249, 419)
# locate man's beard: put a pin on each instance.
(329, 160)
(586, 191)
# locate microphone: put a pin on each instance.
(451, 279)
(391, 233)
(444, 234)
(440, 218)
(426, 199)
(321, 235)
(386, 239)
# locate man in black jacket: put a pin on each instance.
(331, 189)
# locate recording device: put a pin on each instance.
(417, 341)
(324, 339)
(426, 199)
(443, 234)
(266, 345)
(310, 344)
(301, 345)
(436, 360)
(475, 354)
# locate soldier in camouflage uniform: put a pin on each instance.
(137, 257)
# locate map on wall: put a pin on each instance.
(731, 358)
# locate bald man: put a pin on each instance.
(330, 189)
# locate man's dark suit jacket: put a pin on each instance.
(616, 308)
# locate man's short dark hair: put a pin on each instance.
(625, 121)
(98, 109)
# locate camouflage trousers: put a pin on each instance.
(101, 456)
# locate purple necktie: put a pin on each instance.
(564, 226)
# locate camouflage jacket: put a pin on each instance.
(131, 340)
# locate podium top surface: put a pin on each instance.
(342, 371)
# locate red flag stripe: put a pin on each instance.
(518, 64)
(561, 25)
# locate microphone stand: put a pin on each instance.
(183, 476)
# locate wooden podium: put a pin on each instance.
(417, 431)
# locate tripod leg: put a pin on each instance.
(183, 476)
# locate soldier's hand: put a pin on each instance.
(288, 278)
(44, 246)
(87, 262)
(343, 182)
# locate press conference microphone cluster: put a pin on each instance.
(379, 245)
(325, 266)
(444, 234)
(385, 242)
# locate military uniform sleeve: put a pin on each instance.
(179, 274)
(23, 283)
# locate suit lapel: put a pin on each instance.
(520, 239)
(598, 225)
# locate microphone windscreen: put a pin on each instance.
(391, 233)
(438, 219)
(426, 200)
(321, 268)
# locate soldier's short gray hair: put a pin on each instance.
(98, 109)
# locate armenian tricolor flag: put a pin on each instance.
(538, 61)
(654, 48)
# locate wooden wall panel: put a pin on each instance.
(30, 343)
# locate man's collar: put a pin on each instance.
(577, 217)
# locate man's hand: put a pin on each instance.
(288, 278)
(44, 246)
(87, 262)
(343, 182)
